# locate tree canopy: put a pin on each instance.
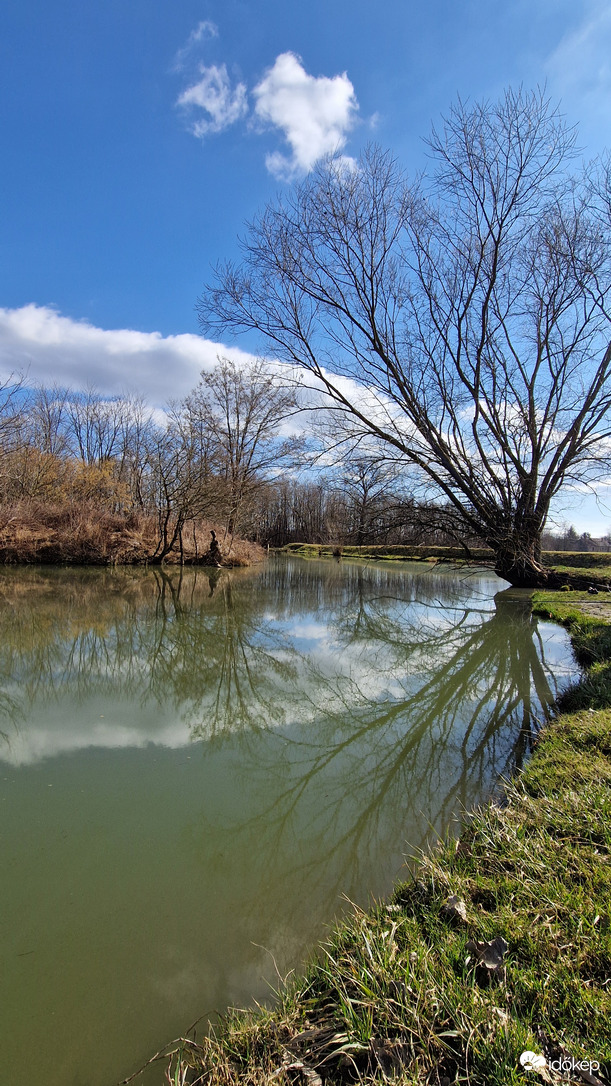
(459, 321)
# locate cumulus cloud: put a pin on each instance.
(314, 113)
(213, 93)
(49, 348)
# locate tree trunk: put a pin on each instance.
(166, 543)
(518, 560)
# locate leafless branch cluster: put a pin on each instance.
(207, 458)
(460, 321)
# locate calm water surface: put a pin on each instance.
(194, 769)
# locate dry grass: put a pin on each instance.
(82, 533)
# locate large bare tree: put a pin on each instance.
(470, 310)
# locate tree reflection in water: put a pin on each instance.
(374, 700)
(457, 704)
(273, 738)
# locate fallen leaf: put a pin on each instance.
(489, 954)
(455, 908)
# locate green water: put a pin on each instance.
(195, 769)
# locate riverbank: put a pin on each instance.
(84, 533)
(499, 946)
(572, 569)
(390, 553)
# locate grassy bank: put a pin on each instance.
(574, 568)
(500, 945)
(386, 553)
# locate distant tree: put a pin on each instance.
(45, 419)
(12, 392)
(180, 486)
(241, 410)
(28, 473)
(92, 425)
(470, 311)
(11, 395)
(366, 485)
(294, 511)
(570, 539)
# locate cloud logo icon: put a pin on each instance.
(532, 1061)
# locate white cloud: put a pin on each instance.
(47, 347)
(579, 69)
(314, 113)
(213, 93)
(204, 29)
(47, 738)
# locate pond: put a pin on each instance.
(198, 769)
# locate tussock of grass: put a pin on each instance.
(402, 993)
(591, 641)
(595, 573)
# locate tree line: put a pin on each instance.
(205, 457)
(217, 456)
(228, 454)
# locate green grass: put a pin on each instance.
(591, 641)
(401, 993)
(594, 567)
(387, 553)
(597, 572)
(584, 560)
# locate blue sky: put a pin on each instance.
(138, 137)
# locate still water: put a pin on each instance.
(196, 770)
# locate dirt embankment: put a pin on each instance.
(83, 534)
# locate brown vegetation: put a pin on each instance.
(87, 533)
(85, 478)
(89, 479)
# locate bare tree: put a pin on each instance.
(370, 489)
(241, 410)
(470, 309)
(12, 392)
(180, 485)
(92, 426)
(45, 419)
(12, 437)
(136, 431)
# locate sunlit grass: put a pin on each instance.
(580, 568)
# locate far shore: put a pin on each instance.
(573, 569)
(86, 533)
